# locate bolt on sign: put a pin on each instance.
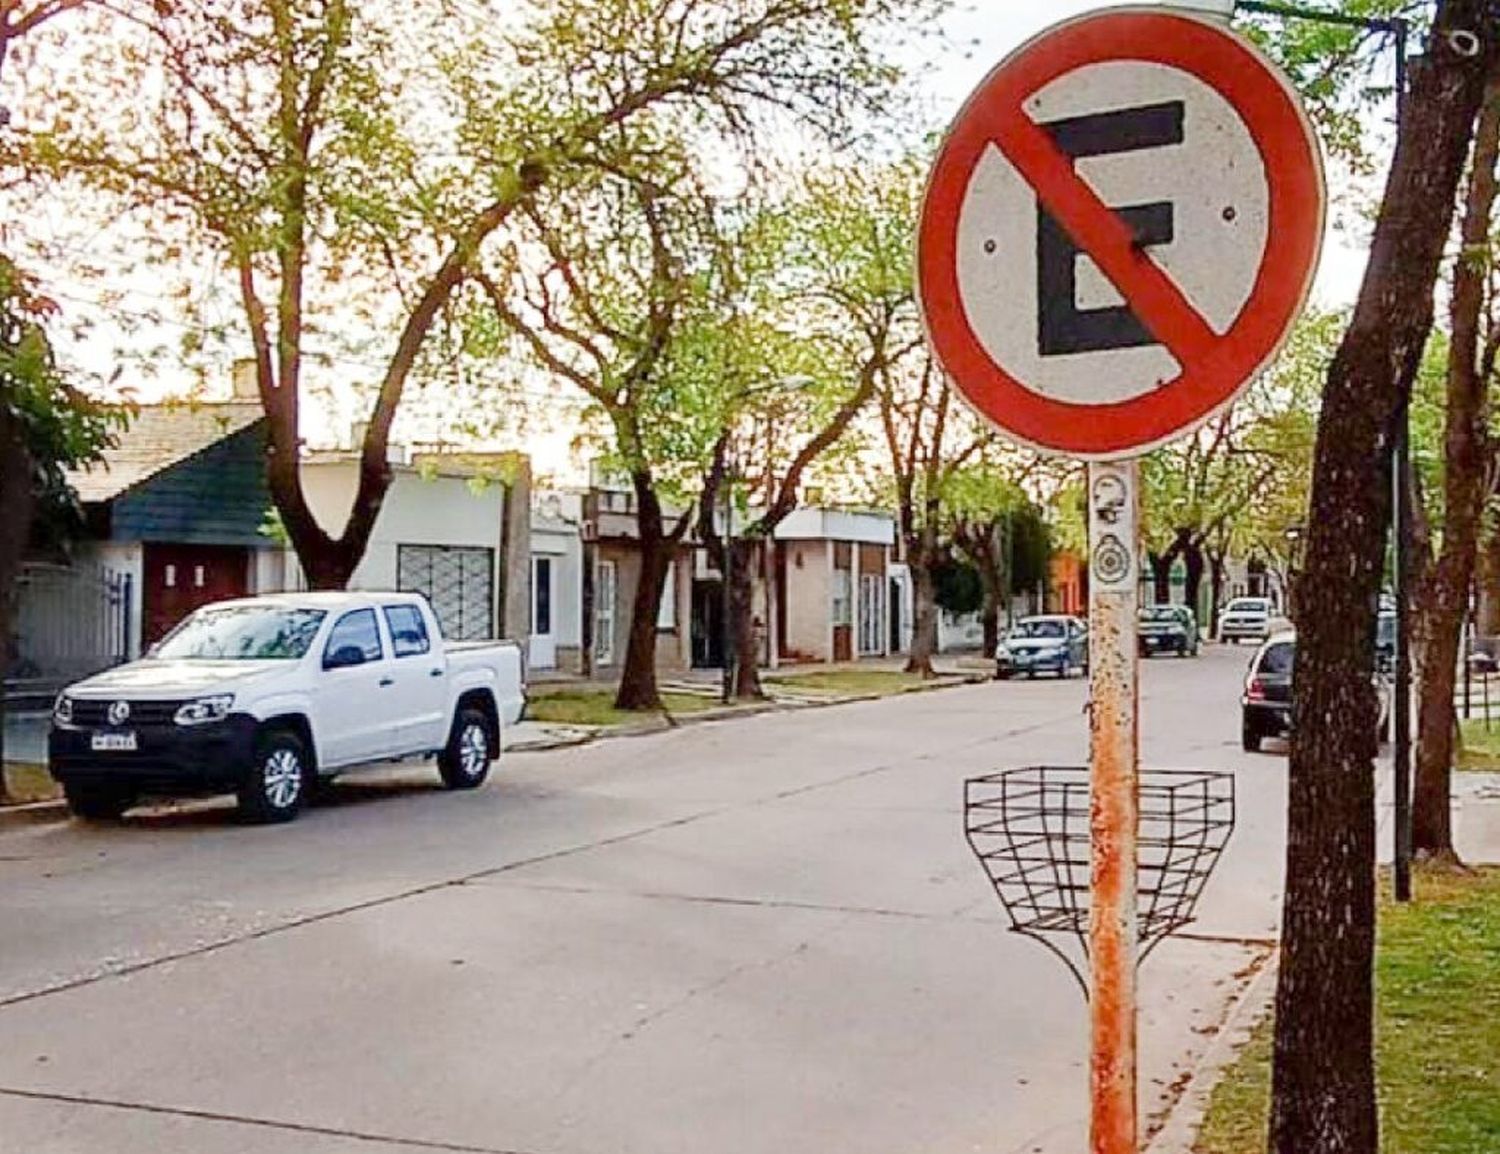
(1118, 233)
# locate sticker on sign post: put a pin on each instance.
(1119, 231)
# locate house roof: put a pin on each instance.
(159, 437)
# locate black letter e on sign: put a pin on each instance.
(1063, 327)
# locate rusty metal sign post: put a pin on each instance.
(1114, 760)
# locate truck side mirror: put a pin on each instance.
(344, 657)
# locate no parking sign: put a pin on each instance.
(1119, 231)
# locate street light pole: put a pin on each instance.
(1399, 29)
(726, 629)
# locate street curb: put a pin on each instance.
(31, 811)
(605, 732)
(1179, 1132)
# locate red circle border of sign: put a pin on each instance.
(1294, 177)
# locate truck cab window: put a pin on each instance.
(359, 630)
(408, 630)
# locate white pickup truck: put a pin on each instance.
(266, 696)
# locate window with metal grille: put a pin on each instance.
(458, 581)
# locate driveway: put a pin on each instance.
(765, 934)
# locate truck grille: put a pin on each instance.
(95, 714)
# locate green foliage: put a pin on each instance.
(959, 588)
(354, 173)
(1031, 547)
(1238, 483)
(61, 428)
(1343, 74)
(1437, 967)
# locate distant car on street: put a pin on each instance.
(265, 696)
(1167, 629)
(1385, 641)
(1245, 619)
(1053, 644)
(1266, 703)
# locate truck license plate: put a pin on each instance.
(114, 742)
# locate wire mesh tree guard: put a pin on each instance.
(1030, 830)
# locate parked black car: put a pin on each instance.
(1266, 704)
(1167, 629)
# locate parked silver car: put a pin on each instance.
(1055, 644)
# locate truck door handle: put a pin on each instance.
(386, 681)
(434, 673)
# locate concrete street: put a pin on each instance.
(765, 934)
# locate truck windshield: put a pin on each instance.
(243, 633)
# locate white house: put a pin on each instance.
(446, 529)
(556, 580)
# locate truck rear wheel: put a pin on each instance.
(98, 802)
(276, 784)
(465, 761)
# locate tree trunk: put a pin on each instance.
(989, 620)
(1161, 575)
(15, 531)
(638, 690)
(1216, 563)
(921, 557)
(1192, 554)
(1467, 451)
(980, 545)
(745, 685)
(1323, 1081)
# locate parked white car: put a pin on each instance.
(1246, 618)
(266, 696)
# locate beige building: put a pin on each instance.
(611, 573)
(834, 598)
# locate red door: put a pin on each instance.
(180, 578)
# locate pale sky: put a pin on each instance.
(978, 33)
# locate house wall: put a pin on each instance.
(442, 510)
(809, 601)
(556, 538)
(958, 632)
(71, 620)
(872, 619)
(127, 557)
(673, 635)
(1067, 587)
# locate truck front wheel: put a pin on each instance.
(275, 786)
(465, 761)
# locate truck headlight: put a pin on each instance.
(62, 710)
(204, 710)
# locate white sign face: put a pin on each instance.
(1178, 162)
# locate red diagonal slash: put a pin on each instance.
(1098, 231)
